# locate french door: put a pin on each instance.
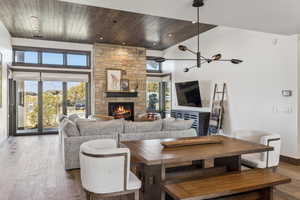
(36, 105)
(158, 95)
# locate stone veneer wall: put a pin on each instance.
(130, 59)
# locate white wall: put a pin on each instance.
(5, 49)
(254, 87)
(154, 53)
(51, 44)
(298, 85)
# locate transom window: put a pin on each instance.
(28, 56)
(77, 60)
(152, 66)
(50, 58)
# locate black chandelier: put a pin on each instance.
(201, 59)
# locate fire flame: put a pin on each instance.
(121, 110)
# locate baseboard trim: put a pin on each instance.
(290, 160)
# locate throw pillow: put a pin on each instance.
(141, 127)
(177, 125)
(73, 117)
(79, 120)
(88, 128)
(170, 119)
(70, 129)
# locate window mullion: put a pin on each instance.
(65, 98)
(65, 59)
(40, 57)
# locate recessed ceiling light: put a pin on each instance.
(35, 22)
(36, 26)
(170, 35)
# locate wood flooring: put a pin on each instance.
(31, 168)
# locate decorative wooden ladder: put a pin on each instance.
(217, 110)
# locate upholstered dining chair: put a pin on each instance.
(105, 170)
(268, 159)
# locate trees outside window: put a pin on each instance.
(28, 104)
(158, 96)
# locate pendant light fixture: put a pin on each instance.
(199, 58)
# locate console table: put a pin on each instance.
(201, 119)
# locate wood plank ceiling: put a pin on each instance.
(62, 21)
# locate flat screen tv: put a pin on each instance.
(188, 94)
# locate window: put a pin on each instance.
(76, 98)
(77, 60)
(49, 58)
(158, 94)
(153, 66)
(153, 96)
(38, 104)
(30, 57)
(27, 106)
(168, 97)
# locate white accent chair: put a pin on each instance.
(105, 170)
(261, 160)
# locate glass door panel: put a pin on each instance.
(52, 105)
(153, 96)
(168, 98)
(38, 104)
(27, 107)
(76, 98)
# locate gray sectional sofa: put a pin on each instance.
(74, 131)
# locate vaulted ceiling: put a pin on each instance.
(273, 16)
(65, 21)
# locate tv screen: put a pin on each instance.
(188, 94)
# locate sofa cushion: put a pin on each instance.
(70, 128)
(88, 128)
(171, 118)
(176, 125)
(140, 127)
(73, 117)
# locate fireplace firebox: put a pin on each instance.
(121, 110)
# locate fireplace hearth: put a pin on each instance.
(121, 110)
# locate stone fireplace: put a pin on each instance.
(132, 61)
(121, 110)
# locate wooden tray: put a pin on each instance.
(191, 141)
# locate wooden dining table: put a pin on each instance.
(155, 164)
